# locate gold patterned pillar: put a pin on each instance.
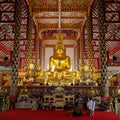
(78, 53)
(36, 47)
(103, 53)
(0, 78)
(29, 43)
(43, 57)
(40, 52)
(81, 61)
(18, 19)
(82, 47)
(89, 43)
(36, 52)
(75, 57)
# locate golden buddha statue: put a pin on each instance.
(59, 61)
(60, 72)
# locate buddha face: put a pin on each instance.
(60, 51)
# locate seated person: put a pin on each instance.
(77, 111)
(91, 106)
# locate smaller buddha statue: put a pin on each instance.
(59, 61)
(91, 92)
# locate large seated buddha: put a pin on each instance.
(59, 61)
(59, 72)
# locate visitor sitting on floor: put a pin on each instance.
(91, 106)
(76, 110)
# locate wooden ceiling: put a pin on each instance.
(46, 19)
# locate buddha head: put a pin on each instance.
(59, 48)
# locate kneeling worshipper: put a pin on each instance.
(76, 110)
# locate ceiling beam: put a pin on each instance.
(114, 49)
(52, 45)
(54, 38)
(106, 40)
(112, 2)
(5, 49)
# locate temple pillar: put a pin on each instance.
(78, 53)
(43, 57)
(40, 52)
(36, 47)
(75, 57)
(89, 43)
(18, 20)
(29, 44)
(103, 53)
(118, 79)
(36, 52)
(81, 62)
(82, 48)
(0, 79)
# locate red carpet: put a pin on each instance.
(26, 114)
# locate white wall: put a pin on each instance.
(48, 53)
